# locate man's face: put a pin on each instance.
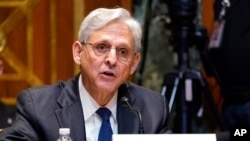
(105, 72)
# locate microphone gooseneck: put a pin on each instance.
(125, 101)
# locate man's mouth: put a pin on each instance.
(108, 73)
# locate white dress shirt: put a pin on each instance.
(92, 120)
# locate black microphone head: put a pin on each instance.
(125, 102)
(124, 99)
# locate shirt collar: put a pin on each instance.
(89, 105)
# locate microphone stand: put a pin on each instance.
(141, 128)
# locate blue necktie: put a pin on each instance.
(105, 133)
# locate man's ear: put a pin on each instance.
(135, 63)
(76, 49)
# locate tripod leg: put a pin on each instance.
(212, 104)
(183, 115)
(173, 93)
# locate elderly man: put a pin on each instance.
(107, 52)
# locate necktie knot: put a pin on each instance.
(104, 113)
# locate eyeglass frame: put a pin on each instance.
(109, 49)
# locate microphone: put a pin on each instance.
(125, 101)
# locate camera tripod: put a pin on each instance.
(182, 84)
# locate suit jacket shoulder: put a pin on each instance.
(41, 111)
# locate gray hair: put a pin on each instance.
(102, 16)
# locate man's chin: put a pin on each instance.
(108, 87)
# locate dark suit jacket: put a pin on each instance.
(43, 110)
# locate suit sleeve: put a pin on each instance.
(24, 127)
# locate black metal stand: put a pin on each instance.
(184, 87)
(182, 83)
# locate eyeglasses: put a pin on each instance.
(122, 53)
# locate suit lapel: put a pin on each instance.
(70, 114)
(128, 121)
(71, 117)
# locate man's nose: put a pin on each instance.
(111, 56)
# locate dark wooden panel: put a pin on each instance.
(65, 38)
(41, 40)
